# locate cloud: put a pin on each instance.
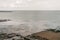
(31, 5)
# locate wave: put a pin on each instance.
(27, 28)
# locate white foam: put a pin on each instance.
(26, 28)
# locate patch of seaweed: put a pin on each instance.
(53, 30)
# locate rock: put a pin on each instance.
(3, 35)
(4, 20)
(11, 35)
(32, 37)
(16, 36)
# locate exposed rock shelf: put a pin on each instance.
(16, 36)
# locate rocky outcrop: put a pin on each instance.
(16, 36)
(50, 34)
(11, 36)
(36, 37)
(4, 20)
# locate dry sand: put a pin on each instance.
(48, 34)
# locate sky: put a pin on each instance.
(29, 4)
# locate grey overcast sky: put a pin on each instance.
(29, 4)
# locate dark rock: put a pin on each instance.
(11, 35)
(13, 39)
(37, 37)
(4, 20)
(16, 36)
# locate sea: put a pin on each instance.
(27, 22)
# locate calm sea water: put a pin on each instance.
(32, 15)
